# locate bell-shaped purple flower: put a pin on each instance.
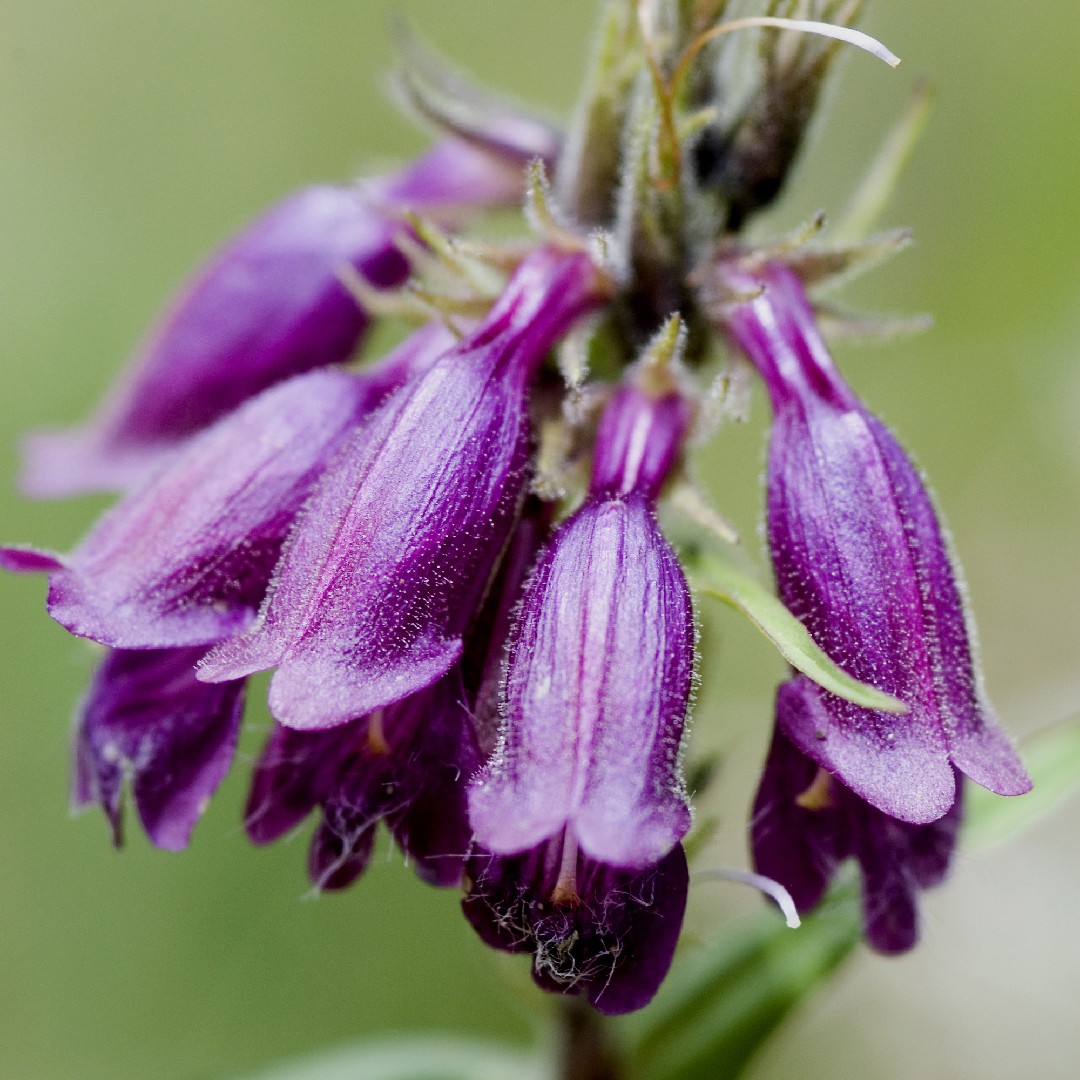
(407, 764)
(614, 943)
(147, 720)
(186, 558)
(599, 667)
(805, 824)
(384, 569)
(861, 560)
(269, 305)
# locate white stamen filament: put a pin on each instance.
(763, 884)
(804, 26)
(812, 26)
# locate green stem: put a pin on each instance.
(586, 1049)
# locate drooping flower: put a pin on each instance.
(149, 722)
(805, 824)
(268, 306)
(406, 765)
(509, 697)
(579, 812)
(186, 558)
(584, 749)
(861, 560)
(385, 567)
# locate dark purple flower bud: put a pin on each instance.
(585, 748)
(805, 824)
(861, 560)
(147, 720)
(185, 559)
(385, 567)
(614, 943)
(269, 305)
(407, 764)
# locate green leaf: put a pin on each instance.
(413, 1058)
(721, 579)
(1052, 757)
(718, 1008)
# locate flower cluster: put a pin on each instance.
(451, 558)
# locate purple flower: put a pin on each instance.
(147, 720)
(805, 824)
(186, 558)
(579, 812)
(861, 559)
(584, 748)
(406, 764)
(269, 305)
(385, 567)
(613, 944)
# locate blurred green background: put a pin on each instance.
(135, 134)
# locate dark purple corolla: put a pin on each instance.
(806, 823)
(406, 765)
(268, 306)
(149, 722)
(613, 943)
(583, 796)
(861, 560)
(186, 558)
(385, 567)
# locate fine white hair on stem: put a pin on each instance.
(760, 882)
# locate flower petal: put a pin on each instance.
(584, 746)
(148, 719)
(384, 569)
(615, 944)
(805, 825)
(908, 776)
(185, 560)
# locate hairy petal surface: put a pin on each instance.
(861, 560)
(185, 559)
(596, 695)
(583, 748)
(385, 567)
(149, 722)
